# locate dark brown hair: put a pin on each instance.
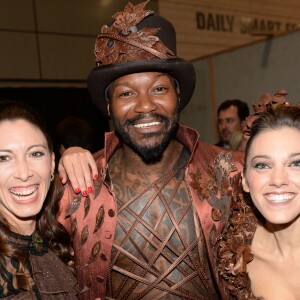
(47, 225)
(271, 119)
(242, 107)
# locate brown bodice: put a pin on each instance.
(50, 278)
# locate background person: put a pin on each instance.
(231, 117)
(35, 250)
(259, 250)
(149, 227)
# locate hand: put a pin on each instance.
(79, 165)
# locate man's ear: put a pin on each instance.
(245, 184)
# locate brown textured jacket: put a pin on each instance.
(211, 175)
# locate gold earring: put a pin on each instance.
(52, 177)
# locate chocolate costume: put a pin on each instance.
(210, 176)
(50, 277)
(234, 250)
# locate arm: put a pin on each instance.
(79, 166)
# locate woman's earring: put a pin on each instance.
(52, 177)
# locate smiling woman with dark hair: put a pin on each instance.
(35, 250)
(259, 251)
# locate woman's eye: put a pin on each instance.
(37, 154)
(261, 165)
(295, 163)
(4, 158)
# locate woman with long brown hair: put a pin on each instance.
(35, 250)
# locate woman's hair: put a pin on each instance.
(47, 225)
(271, 119)
(236, 140)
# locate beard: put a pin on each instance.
(149, 153)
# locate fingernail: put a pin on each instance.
(77, 191)
(84, 193)
(95, 176)
(90, 189)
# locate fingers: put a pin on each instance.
(92, 164)
(79, 166)
(62, 173)
(83, 172)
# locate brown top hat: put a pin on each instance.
(138, 41)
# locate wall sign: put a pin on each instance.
(243, 25)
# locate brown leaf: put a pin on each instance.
(131, 16)
(97, 187)
(75, 203)
(84, 235)
(87, 205)
(99, 218)
(73, 228)
(94, 254)
(119, 43)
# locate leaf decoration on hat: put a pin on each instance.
(94, 254)
(131, 16)
(122, 42)
(147, 35)
(265, 102)
(99, 218)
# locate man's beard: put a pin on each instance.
(149, 153)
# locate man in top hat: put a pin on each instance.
(148, 227)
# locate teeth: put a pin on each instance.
(146, 124)
(280, 198)
(24, 194)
